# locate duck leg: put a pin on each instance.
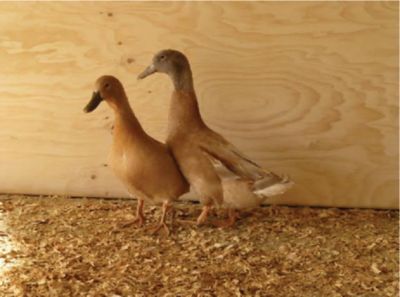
(162, 224)
(204, 215)
(202, 218)
(230, 221)
(139, 220)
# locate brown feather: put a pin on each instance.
(144, 165)
(196, 147)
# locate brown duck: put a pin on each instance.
(144, 165)
(197, 148)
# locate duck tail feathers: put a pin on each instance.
(272, 185)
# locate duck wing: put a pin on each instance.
(264, 183)
(217, 147)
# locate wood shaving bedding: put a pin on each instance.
(80, 247)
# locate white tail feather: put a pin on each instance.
(277, 188)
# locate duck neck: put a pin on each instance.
(184, 112)
(182, 79)
(125, 118)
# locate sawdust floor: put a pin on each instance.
(78, 247)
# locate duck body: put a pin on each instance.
(198, 149)
(186, 133)
(216, 170)
(145, 166)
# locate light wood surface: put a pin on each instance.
(306, 88)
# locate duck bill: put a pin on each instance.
(94, 102)
(148, 71)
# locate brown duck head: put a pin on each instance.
(107, 88)
(174, 64)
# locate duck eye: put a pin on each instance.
(107, 85)
(162, 57)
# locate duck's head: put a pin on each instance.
(107, 88)
(169, 61)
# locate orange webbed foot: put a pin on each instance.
(229, 222)
(139, 221)
(155, 229)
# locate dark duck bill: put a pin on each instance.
(94, 102)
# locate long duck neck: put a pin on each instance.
(125, 118)
(182, 79)
(184, 108)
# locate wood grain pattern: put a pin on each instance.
(305, 88)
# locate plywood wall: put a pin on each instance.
(305, 88)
